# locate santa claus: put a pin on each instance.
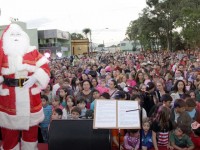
(24, 72)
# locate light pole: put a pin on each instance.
(91, 50)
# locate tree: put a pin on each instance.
(189, 22)
(101, 45)
(154, 27)
(86, 31)
(158, 23)
(76, 36)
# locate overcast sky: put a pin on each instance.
(108, 19)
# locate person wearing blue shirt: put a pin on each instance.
(47, 113)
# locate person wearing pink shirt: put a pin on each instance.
(102, 87)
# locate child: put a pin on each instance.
(81, 103)
(57, 114)
(161, 128)
(166, 99)
(76, 113)
(89, 114)
(47, 113)
(142, 87)
(70, 104)
(56, 103)
(183, 118)
(179, 140)
(146, 135)
(62, 95)
(105, 95)
(96, 95)
(191, 107)
(132, 140)
(102, 87)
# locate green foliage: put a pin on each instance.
(101, 45)
(158, 23)
(76, 36)
(87, 31)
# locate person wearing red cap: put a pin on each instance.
(24, 72)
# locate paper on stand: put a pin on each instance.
(128, 114)
(105, 114)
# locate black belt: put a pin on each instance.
(14, 82)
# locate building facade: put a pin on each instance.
(127, 45)
(54, 41)
(80, 47)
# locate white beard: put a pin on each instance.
(15, 45)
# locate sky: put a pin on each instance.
(107, 19)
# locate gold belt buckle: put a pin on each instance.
(20, 82)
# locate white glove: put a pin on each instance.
(29, 83)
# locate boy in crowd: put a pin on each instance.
(47, 113)
(75, 113)
(166, 100)
(57, 114)
(183, 118)
(81, 103)
(180, 140)
(96, 95)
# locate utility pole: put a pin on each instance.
(91, 41)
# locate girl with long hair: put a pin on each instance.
(179, 90)
(70, 104)
(161, 128)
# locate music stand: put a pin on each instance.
(77, 135)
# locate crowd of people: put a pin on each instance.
(166, 84)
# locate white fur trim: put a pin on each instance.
(22, 102)
(35, 91)
(15, 148)
(1, 79)
(29, 145)
(20, 122)
(16, 67)
(6, 71)
(27, 67)
(31, 48)
(42, 77)
(42, 61)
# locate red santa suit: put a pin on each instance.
(21, 108)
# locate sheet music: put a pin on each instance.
(105, 114)
(128, 114)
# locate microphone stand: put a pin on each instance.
(140, 128)
(140, 123)
(119, 135)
